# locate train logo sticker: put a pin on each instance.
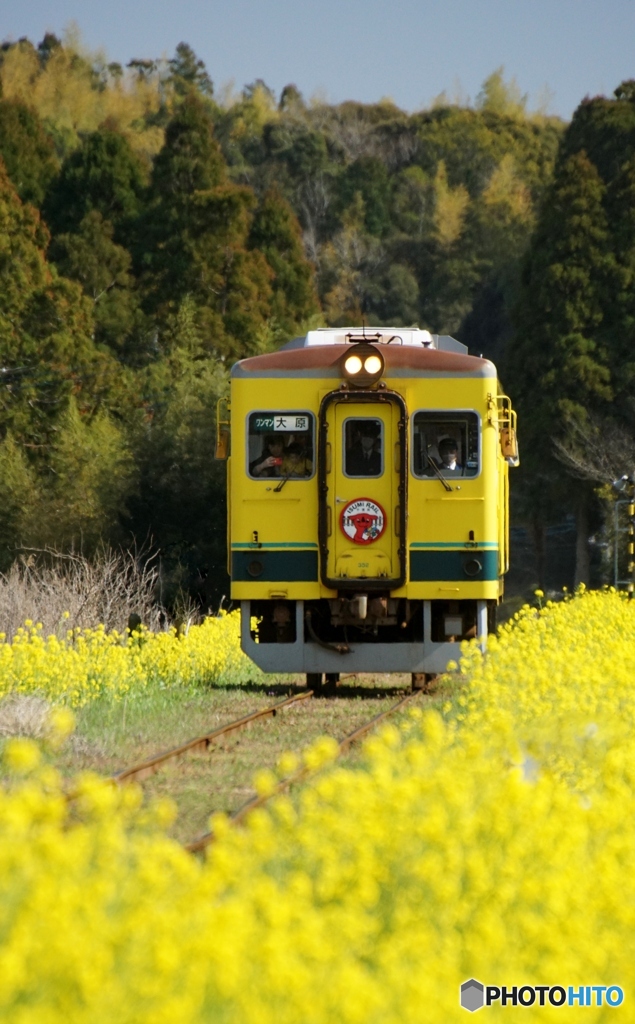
(363, 520)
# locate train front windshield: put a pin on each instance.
(280, 444)
(446, 443)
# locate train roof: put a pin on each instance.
(407, 353)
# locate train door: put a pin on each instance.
(363, 493)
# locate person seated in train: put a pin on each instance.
(448, 457)
(269, 463)
(296, 461)
(364, 458)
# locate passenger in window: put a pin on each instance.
(364, 458)
(296, 461)
(448, 457)
(270, 462)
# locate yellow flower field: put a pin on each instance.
(495, 840)
(89, 663)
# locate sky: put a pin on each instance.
(558, 51)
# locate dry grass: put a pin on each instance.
(107, 589)
(24, 715)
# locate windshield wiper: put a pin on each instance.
(437, 472)
(281, 484)
(289, 474)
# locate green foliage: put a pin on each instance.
(572, 363)
(93, 475)
(501, 97)
(103, 268)
(369, 177)
(45, 326)
(188, 73)
(27, 151)
(276, 234)
(180, 503)
(102, 175)
(562, 369)
(19, 492)
(190, 160)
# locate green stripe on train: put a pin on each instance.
(459, 565)
(266, 566)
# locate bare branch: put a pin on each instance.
(598, 450)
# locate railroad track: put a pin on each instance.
(343, 747)
(143, 769)
(148, 767)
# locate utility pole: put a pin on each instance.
(627, 484)
(631, 537)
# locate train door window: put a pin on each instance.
(363, 446)
(446, 443)
(281, 444)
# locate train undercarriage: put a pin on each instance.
(362, 632)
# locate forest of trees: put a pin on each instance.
(152, 232)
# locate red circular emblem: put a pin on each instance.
(363, 520)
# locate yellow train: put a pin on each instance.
(368, 518)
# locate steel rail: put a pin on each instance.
(343, 747)
(149, 767)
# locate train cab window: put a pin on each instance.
(363, 447)
(280, 444)
(446, 443)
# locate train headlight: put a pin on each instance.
(373, 365)
(362, 367)
(352, 365)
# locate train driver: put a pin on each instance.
(448, 457)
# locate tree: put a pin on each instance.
(501, 97)
(180, 501)
(92, 258)
(104, 175)
(369, 177)
(275, 233)
(188, 73)
(559, 368)
(19, 500)
(605, 129)
(197, 237)
(46, 347)
(27, 151)
(92, 476)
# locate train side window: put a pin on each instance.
(447, 442)
(363, 447)
(280, 444)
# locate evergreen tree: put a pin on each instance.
(103, 174)
(91, 257)
(605, 129)
(565, 370)
(92, 475)
(27, 151)
(618, 328)
(275, 233)
(190, 160)
(46, 347)
(20, 505)
(369, 177)
(180, 500)
(198, 234)
(559, 368)
(188, 73)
